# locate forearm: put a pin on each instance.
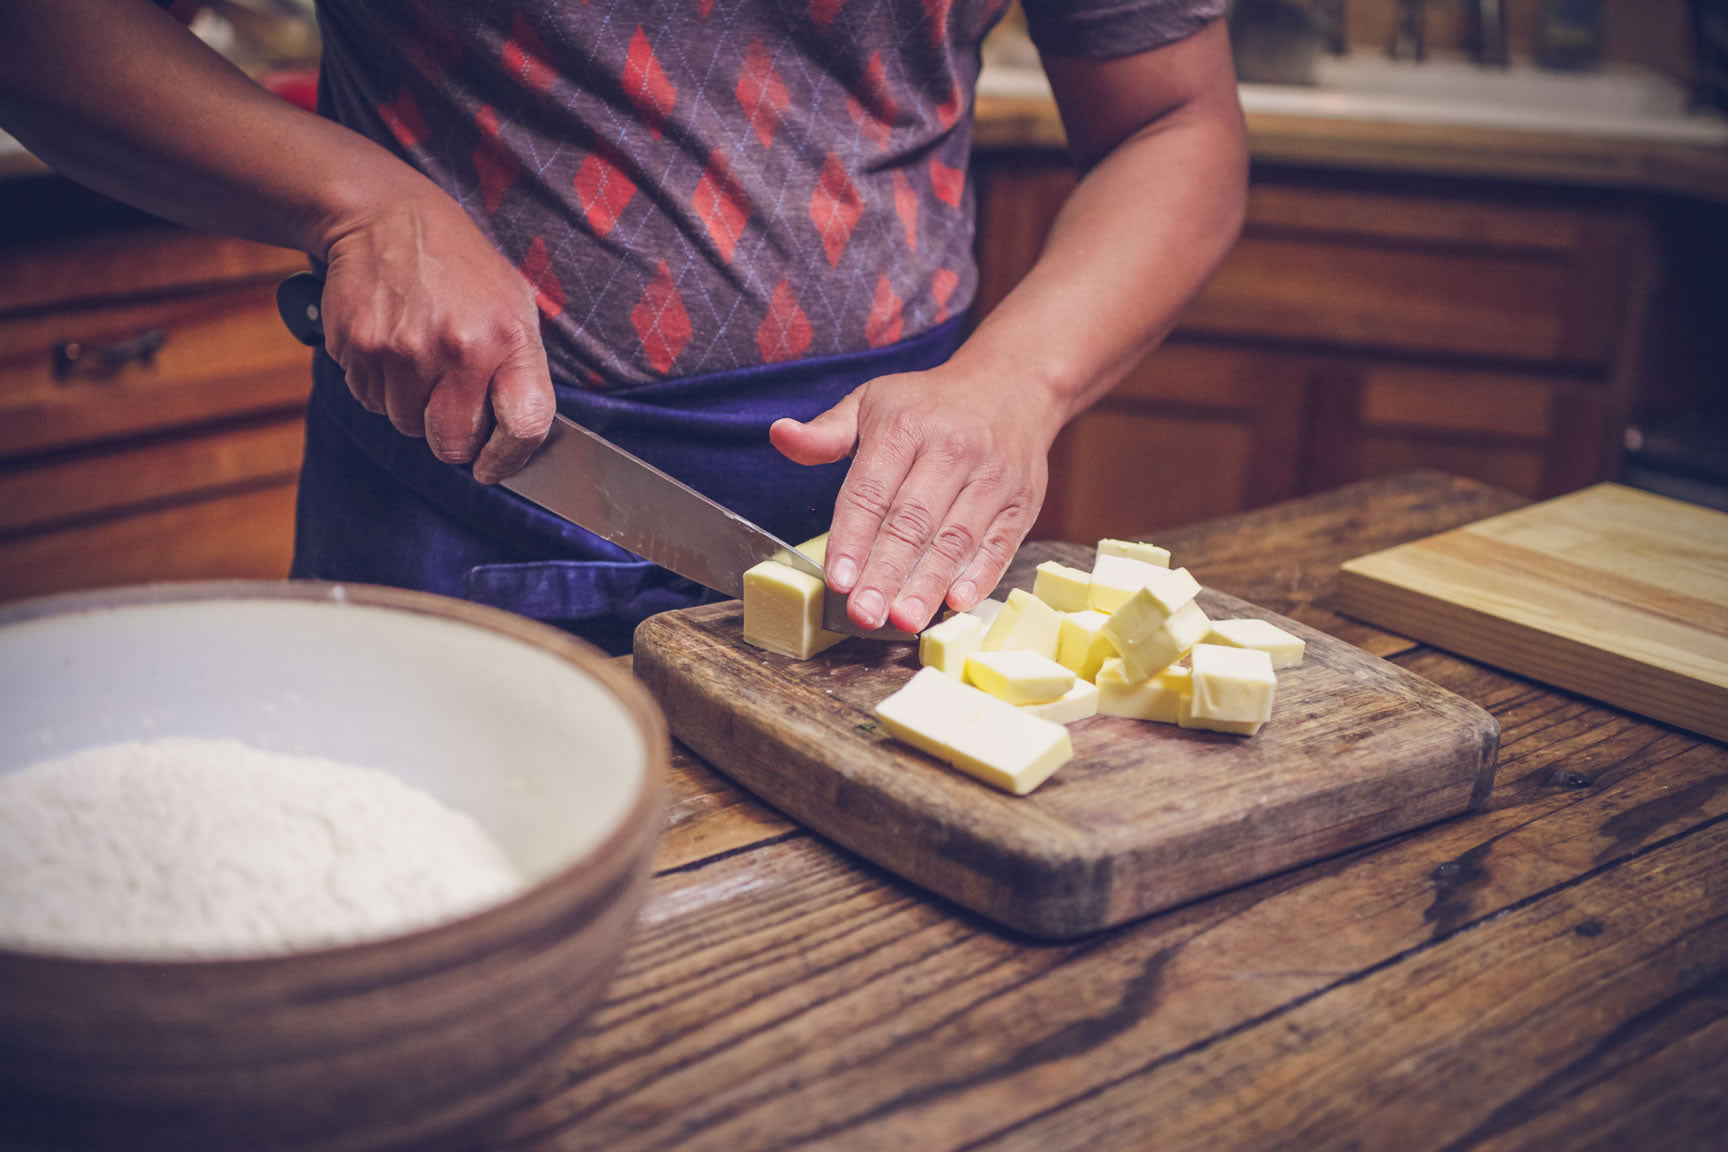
(1130, 248)
(117, 95)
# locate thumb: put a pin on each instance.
(822, 440)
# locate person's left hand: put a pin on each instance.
(948, 473)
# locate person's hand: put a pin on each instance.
(948, 474)
(436, 330)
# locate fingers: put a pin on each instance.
(523, 405)
(829, 437)
(946, 483)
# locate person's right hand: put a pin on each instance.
(436, 330)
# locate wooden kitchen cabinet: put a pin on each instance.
(151, 402)
(1361, 327)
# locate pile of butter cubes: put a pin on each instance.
(1001, 681)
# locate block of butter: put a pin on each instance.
(1286, 650)
(1156, 698)
(1063, 588)
(946, 644)
(1024, 622)
(783, 611)
(1115, 579)
(974, 732)
(1135, 550)
(1081, 643)
(1148, 646)
(1018, 676)
(1231, 686)
(1078, 703)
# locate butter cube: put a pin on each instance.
(1186, 719)
(816, 548)
(783, 611)
(1115, 579)
(986, 611)
(1063, 588)
(975, 732)
(1231, 685)
(1018, 676)
(1010, 749)
(1148, 646)
(1155, 698)
(1135, 550)
(1286, 650)
(930, 710)
(1024, 622)
(946, 645)
(1078, 703)
(1081, 643)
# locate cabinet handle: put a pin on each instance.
(103, 360)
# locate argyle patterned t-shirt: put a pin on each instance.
(694, 186)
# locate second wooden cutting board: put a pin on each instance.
(1146, 816)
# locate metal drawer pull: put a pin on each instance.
(100, 360)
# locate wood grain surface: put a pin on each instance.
(1615, 593)
(1146, 816)
(1549, 971)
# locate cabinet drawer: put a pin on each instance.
(41, 493)
(1194, 432)
(223, 353)
(239, 534)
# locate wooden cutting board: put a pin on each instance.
(1614, 593)
(1144, 817)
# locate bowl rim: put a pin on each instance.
(569, 897)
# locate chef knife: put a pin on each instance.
(593, 483)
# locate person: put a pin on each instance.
(734, 236)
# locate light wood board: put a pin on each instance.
(1145, 817)
(1610, 592)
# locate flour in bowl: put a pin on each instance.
(183, 848)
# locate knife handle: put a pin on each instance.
(300, 301)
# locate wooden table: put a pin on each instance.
(1549, 972)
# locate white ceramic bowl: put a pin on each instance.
(420, 1037)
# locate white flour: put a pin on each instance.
(207, 848)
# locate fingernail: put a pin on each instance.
(911, 610)
(963, 595)
(843, 574)
(869, 603)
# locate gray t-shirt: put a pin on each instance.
(695, 186)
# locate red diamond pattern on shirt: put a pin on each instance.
(704, 7)
(646, 85)
(785, 332)
(872, 107)
(946, 182)
(402, 117)
(949, 110)
(660, 321)
(942, 285)
(822, 12)
(937, 13)
(537, 270)
(761, 92)
(603, 189)
(721, 204)
(492, 162)
(882, 326)
(525, 57)
(835, 207)
(906, 207)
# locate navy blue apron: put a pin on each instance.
(377, 507)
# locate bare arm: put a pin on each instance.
(117, 95)
(950, 466)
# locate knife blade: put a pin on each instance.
(586, 479)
